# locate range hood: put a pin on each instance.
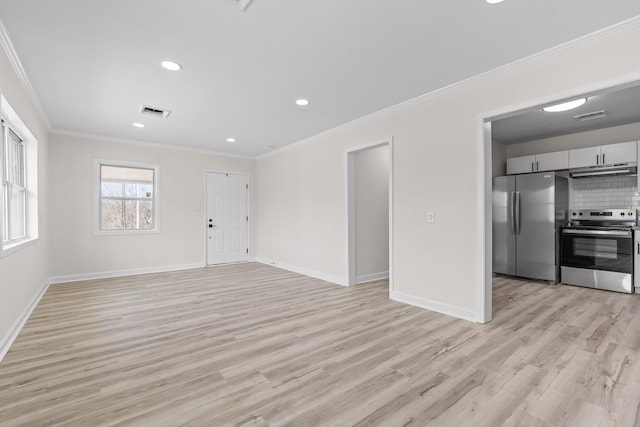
(630, 168)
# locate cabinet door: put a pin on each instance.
(525, 164)
(552, 161)
(618, 153)
(583, 157)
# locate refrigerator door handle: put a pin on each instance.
(512, 215)
(517, 215)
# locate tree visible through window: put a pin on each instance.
(127, 198)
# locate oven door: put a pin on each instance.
(606, 250)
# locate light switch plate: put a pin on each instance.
(431, 218)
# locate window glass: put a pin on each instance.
(14, 209)
(127, 199)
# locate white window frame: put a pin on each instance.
(10, 120)
(155, 211)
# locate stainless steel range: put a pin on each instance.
(597, 249)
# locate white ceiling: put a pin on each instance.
(621, 106)
(93, 63)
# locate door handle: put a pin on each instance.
(532, 169)
(512, 212)
(537, 166)
(211, 225)
(518, 212)
(597, 159)
(603, 158)
(638, 248)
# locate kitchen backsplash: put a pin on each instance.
(614, 192)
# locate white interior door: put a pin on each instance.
(227, 218)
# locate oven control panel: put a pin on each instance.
(604, 214)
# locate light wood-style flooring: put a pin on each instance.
(252, 345)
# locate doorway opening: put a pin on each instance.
(369, 194)
(492, 153)
(226, 221)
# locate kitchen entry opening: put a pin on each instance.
(368, 189)
(534, 141)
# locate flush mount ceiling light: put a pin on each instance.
(302, 102)
(269, 147)
(138, 125)
(170, 65)
(565, 106)
(231, 140)
(494, 1)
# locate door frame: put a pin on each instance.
(204, 213)
(484, 165)
(350, 193)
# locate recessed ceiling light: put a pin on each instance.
(302, 102)
(231, 140)
(138, 125)
(494, 1)
(565, 106)
(171, 66)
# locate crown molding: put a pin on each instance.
(596, 35)
(9, 50)
(148, 144)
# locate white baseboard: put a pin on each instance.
(436, 306)
(307, 272)
(17, 326)
(121, 273)
(372, 277)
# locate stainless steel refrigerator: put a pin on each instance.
(528, 211)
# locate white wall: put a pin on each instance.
(610, 135)
(499, 159)
(301, 194)
(371, 173)
(76, 251)
(24, 273)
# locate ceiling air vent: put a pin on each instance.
(157, 112)
(591, 116)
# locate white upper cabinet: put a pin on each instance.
(618, 153)
(538, 163)
(583, 157)
(525, 164)
(603, 155)
(552, 161)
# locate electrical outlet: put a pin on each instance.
(431, 218)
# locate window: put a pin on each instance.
(13, 186)
(19, 173)
(127, 201)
